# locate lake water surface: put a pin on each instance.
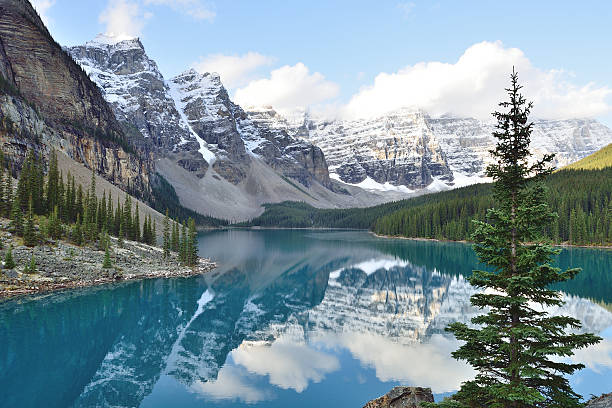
(289, 319)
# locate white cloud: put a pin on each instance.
(193, 8)
(123, 18)
(287, 88)
(289, 365)
(235, 70)
(417, 363)
(231, 384)
(475, 84)
(406, 7)
(42, 7)
(126, 18)
(597, 357)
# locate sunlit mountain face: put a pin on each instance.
(289, 318)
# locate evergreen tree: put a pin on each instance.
(77, 232)
(79, 210)
(103, 240)
(516, 348)
(37, 187)
(91, 201)
(118, 218)
(192, 244)
(166, 243)
(31, 266)
(23, 190)
(175, 236)
(154, 233)
(9, 192)
(102, 212)
(17, 216)
(136, 224)
(52, 195)
(54, 225)
(61, 199)
(144, 238)
(109, 215)
(66, 210)
(149, 237)
(7, 186)
(86, 224)
(121, 235)
(183, 245)
(126, 220)
(107, 259)
(9, 262)
(29, 234)
(71, 201)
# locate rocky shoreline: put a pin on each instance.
(412, 397)
(63, 266)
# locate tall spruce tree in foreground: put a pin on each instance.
(517, 348)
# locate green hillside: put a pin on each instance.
(582, 198)
(291, 214)
(598, 160)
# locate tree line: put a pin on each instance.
(65, 210)
(584, 214)
(181, 239)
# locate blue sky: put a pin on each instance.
(334, 50)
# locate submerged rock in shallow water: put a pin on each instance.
(402, 397)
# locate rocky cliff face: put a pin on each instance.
(211, 116)
(410, 148)
(47, 97)
(398, 149)
(234, 136)
(273, 140)
(190, 118)
(466, 142)
(140, 98)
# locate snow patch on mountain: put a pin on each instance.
(408, 147)
(179, 101)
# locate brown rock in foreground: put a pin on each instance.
(402, 397)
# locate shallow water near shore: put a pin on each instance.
(290, 318)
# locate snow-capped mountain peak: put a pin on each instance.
(107, 40)
(408, 147)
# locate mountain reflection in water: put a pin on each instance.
(290, 318)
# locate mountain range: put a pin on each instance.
(107, 105)
(215, 152)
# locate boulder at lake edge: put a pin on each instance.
(604, 401)
(402, 397)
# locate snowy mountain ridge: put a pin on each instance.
(411, 149)
(212, 150)
(206, 146)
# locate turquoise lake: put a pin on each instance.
(290, 318)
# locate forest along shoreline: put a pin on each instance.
(470, 242)
(63, 266)
(461, 241)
